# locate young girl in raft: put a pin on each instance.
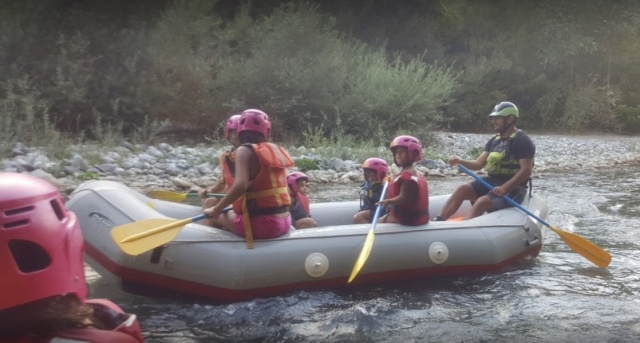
(43, 293)
(259, 193)
(299, 208)
(408, 197)
(227, 164)
(375, 171)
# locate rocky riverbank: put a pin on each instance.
(183, 168)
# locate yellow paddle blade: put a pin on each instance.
(364, 255)
(168, 196)
(590, 251)
(138, 237)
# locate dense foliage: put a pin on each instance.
(360, 67)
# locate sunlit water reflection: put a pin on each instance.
(558, 297)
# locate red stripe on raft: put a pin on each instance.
(231, 295)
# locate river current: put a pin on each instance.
(557, 297)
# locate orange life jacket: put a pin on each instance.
(227, 163)
(268, 192)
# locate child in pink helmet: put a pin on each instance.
(408, 197)
(375, 171)
(227, 165)
(259, 193)
(299, 207)
(42, 283)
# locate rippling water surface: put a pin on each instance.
(557, 297)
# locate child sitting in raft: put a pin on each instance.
(227, 165)
(408, 197)
(259, 193)
(43, 293)
(375, 171)
(299, 208)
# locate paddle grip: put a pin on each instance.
(506, 198)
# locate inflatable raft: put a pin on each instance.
(207, 262)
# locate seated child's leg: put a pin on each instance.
(362, 217)
(388, 219)
(305, 223)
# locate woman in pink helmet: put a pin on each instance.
(259, 193)
(408, 198)
(227, 165)
(42, 283)
(375, 171)
(299, 207)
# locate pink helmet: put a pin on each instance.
(292, 180)
(255, 120)
(414, 148)
(379, 165)
(41, 244)
(232, 124)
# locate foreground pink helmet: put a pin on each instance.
(255, 120)
(292, 180)
(40, 243)
(232, 124)
(413, 145)
(379, 165)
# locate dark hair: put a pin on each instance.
(46, 317)
(253, 137)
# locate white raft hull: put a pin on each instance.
(207, 262)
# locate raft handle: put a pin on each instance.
(535, 241)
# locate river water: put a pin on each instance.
(557, 297)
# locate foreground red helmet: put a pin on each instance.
(255, 120)
(292, 180)
(413, 145)
(40, 243)
(232, 124)
(378, 165)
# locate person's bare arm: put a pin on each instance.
(476, 164)
(240, 183)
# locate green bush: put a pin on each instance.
(629, 118)
(305, 164)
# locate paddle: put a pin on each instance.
(179, 197)
(368, 243)
(138, 237)
(582, 246)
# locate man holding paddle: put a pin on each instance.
(507, 158)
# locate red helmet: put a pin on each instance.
(232, 124)
(414, 148)
(378, 165)
(255, 120)
(292, 180)
(41, 244)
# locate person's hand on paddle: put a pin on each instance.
(498, 191)
(454, 160)
(385, 202)
(212, 212)
(203, 193)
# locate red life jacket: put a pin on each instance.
(304, 201)
(227, 163)
(121, 327)
(268, 192)
(415, 212)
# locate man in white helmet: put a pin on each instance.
(507, 158)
